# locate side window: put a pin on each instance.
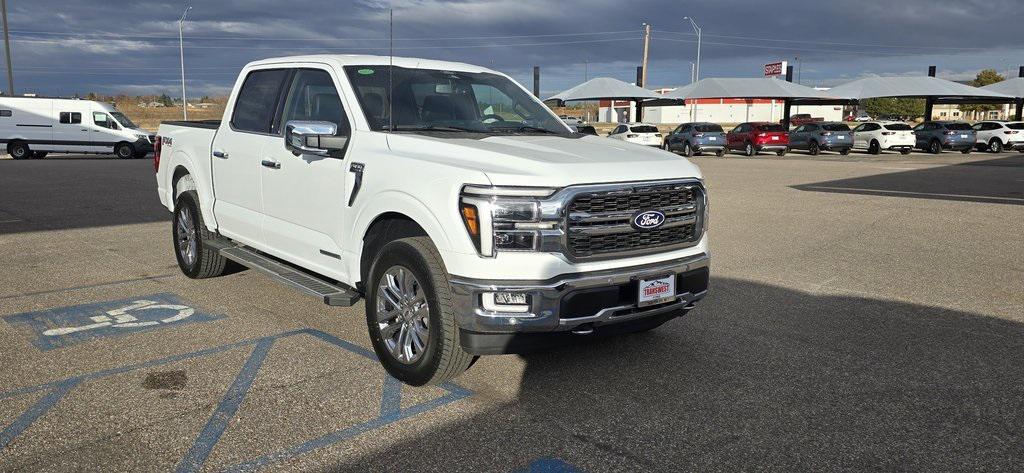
(103, 120)
(313, 97)
(859, 128)
(5, 113)
(801, 128)
(70, 117)
(256, 104)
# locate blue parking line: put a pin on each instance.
(391, 398)
(549, 465)
(36, 411)
(226, 410)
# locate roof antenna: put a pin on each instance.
(391, 67)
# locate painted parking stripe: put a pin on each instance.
(36, 411)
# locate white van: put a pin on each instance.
(34, 126)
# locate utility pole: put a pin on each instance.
(7, 48)
(586, 70)
(647, 44)
(693, 72)
(181, 51)
(697, 30)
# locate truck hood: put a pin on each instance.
(552, 161)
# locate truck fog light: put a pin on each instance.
(525, 241)
(506, 302)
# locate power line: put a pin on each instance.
(107, 34)
(788, 48)
(353, 48)
(830, 43)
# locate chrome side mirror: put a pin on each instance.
(312, 137)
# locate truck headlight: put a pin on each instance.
(506, 218)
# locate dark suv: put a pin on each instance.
(696, 138)
(935, 136)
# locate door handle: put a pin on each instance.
(219, 154)
(357, 169)
(271, 164)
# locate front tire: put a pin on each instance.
(19, 150)
(410, 314)
(995, 146)
(124, 151)
(195, 259)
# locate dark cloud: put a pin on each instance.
(66, 47)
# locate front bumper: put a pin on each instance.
(143, 144)
(595, 298)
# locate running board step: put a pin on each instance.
(331, 293)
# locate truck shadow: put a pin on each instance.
(989, 181)
(757, 377)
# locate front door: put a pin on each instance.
(103, 132)
(236, 156)
(304, 200)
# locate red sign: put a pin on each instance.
(775, 69)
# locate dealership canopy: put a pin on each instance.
(1012, 87)
(604, 88)
(746, 88)
(941, 90)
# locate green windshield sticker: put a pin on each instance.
(365, 72)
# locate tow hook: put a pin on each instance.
(585, 329)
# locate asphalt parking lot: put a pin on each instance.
(866, 312)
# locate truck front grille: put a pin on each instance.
(600, 224)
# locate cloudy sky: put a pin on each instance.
(77, 46)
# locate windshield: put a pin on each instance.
(835, 127)
(958, 126)
(897, 127)
(708, 128)
(644, 129)
(123, 120)
(448, 101)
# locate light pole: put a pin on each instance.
(181, 51)
(697, 30)
(7, 47)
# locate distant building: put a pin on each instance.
(713, 110)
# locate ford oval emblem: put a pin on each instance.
(648, 220)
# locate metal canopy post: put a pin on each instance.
(929, 101)
(536, 81)
(639, 102)
(1020, 100)
(787, 104)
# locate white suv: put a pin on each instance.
(639, 133)
(878, 135)
(996, 136)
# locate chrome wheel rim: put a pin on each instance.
(186, 237)
(403, 315)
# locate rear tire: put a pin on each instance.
(844, 151)
(781, 153)
(195, 259)
(687, 149)
(966, 151)
(749, 151)
(124, 151)
(874, 147)
(19, 150)
(935, 147)
(905, 152)
(441, 357)
(720, 153)
(995, 146)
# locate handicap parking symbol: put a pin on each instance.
(65, 326)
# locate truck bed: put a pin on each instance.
(208, 124)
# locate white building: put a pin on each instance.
(714, 110)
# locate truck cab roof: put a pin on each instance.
(342, 60)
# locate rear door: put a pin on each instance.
(237, 151)
(304, 200)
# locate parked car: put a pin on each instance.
(585, 129)
(32, 127)
(824, 136)
(466, 232)
(570, 120)
(884, 135)
(754, 137)
(803, 118)
(935, 136)
(696, 138)
(996, 136)
(639, 133)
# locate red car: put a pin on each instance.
(754, 137)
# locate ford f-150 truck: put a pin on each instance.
(466, 214)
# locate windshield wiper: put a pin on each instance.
(436, 128)
(522, 128)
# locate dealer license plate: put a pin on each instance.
(841, 137)
(775, 138)
(963, 136)
(656, 291)
(712, 138)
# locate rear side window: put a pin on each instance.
(1015, 126)
(771, 127)
(256, 104)
(5, 113)
(708, 128)
(836, 127)
(898, 127)
(958, 126)
(644, 129)
(70, 117)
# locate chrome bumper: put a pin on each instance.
(546, 298)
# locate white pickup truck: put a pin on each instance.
(469, 217)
